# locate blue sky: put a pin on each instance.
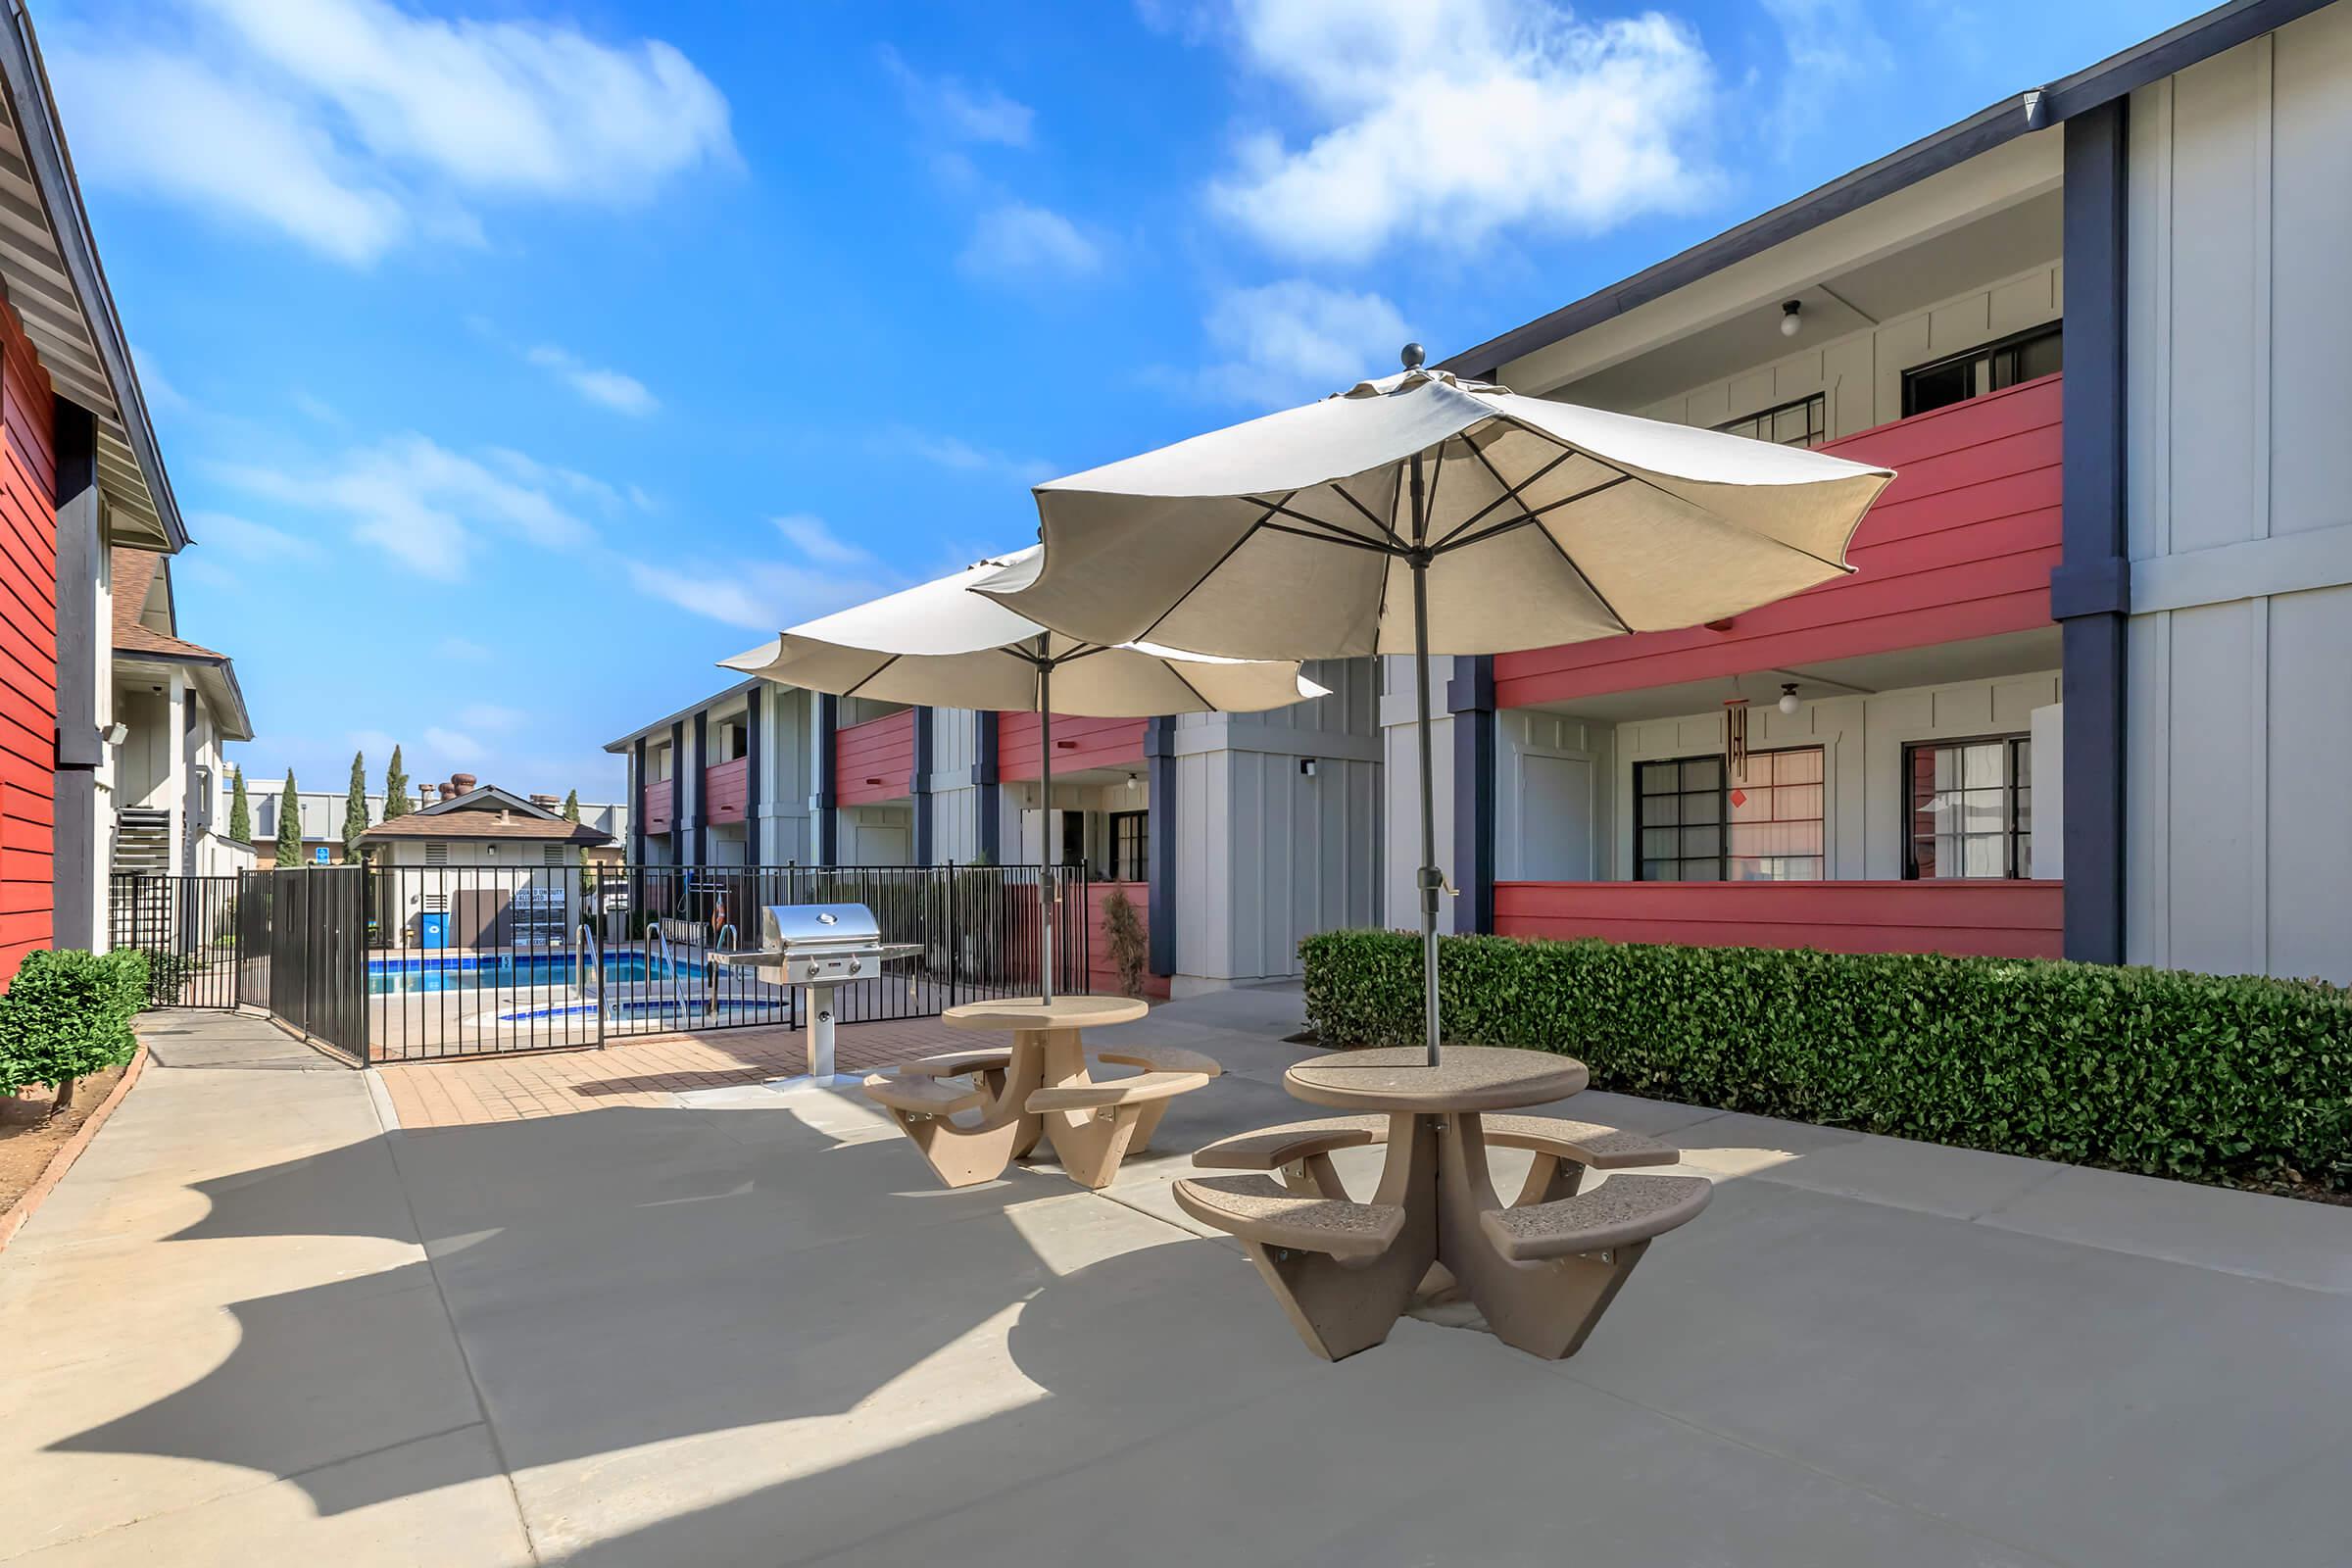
(514, 362)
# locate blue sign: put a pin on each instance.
(319, 855)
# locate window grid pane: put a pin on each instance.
(1970, 809)
(1777, 818)
(1678, 811)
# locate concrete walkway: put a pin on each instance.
(742, 1327)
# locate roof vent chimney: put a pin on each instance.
(463, 781)
(448, 791)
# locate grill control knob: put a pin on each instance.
(854, 965)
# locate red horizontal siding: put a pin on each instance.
(1961, 546)
(874, 761)
(1077, 743)
(727, 786)
(660, 806)
(28, 650)
(1102, 974)
(1988, 920)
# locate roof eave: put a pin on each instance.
(686, 712)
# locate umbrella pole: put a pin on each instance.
(1430, 878)
(1045, 886)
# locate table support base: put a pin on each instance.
(1340, 1309)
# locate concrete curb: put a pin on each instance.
(62, 1160)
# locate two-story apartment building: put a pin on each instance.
(177, 704)
(1234, 834)
(2082, 695)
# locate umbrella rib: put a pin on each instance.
(1558, 549)
(1527, 514)
(870, 675)
(1206, 705)
(1510, 492)
(1369, 516)
(1331, 529)
(1339, 537)
(1177, 603)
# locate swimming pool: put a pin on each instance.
(493, 971)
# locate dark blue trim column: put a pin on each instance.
(1470, 699)
(989, 832)
(754, 821)
(1159, 912)
(677, 793)
(2091, 591)
(637, 803)
(828, 804)
(918, 787)
(698, 826)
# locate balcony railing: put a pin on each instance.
(874, 761)
(1999, 919)
(726, 788)
(1960, 547)
(658, 804)
(1078, 743)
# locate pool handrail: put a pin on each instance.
(669, 958)
(594, 957)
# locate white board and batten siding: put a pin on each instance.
(2238, 846)
(1266, 853)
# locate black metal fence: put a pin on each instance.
(417, 962)
(187, 926)
(302, 951)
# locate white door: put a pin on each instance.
(1555, 820)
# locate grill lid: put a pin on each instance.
(819, 925)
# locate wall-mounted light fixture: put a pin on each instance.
(1789, 702)
(1306, 767)
(1792, 317)
(118, 733)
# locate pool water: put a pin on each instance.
(408, 976)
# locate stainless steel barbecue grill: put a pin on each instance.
(821, 946)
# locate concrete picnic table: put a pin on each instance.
(1038, 1086)
(1540, 1269)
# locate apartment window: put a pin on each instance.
(1776, 818)
(1940, 383)
(1130, 854)
(1678, 819)
(1972, 808)
(1801, 423)
(1692, 824)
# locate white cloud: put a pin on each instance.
(759, 596)
(811, 538)
(425, 506)
(464, 649)
(350, 125)
(1020, 243)
(318, 409)
(1284, 343)
(623, 394)
(962, 457)
(249, 541)
(966, 113)
(1443, 121)
(449, 746)
(1833, 47)
(161, 394)
(492, 717)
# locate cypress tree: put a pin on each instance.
(396, 789)
(240, 814)
(572, 806)
(354, 809)
(289, 824)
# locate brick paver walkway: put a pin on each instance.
(467, 1090)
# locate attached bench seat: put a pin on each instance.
(1586, 1143)
(923, 1096)
(955, 1063)
(1257, 1210)
(1141, 1089)
(1163, 1058)
(1620, 1211)
(1273, 1147)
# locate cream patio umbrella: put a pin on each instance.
(1424, 514)
(940, 643)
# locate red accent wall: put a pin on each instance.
(874, 761)
(1077, 743)
(1102, 975)
(661, 806)
(28, 650)
(1960, 546)
(725, 788)
(1987, 918)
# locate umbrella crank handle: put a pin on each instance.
(1433, 882)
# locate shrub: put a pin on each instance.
(2194, 1076)
(68, 1015)
(1124, 931)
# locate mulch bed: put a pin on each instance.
(30, 1137)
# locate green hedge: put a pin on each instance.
(2151, 1070)
(66, 1015)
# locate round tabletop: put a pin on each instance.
(1466, 1078)
(1032, 1013)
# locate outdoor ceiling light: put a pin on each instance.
(1792, 317)
(1789, 702)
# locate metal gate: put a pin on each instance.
(302, 951)
(187, 926)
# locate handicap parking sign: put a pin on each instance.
(319, 855)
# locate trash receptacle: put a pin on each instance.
(434, 929)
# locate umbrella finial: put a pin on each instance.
(1413, 356)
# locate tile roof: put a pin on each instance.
(134, 573)
(486, 825)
